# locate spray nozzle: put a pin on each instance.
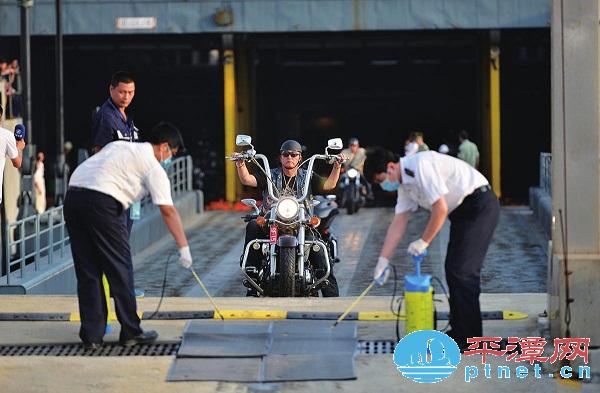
(417, 259)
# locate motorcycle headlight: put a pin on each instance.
(287, 209)
(352, 173)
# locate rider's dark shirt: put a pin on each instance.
(316, 182)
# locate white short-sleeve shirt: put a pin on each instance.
(429, 175)
(127, 172)
(8, 148)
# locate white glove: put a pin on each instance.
(185, 257)
(417, 247)
(382, 271)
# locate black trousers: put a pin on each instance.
(100, 244)
(472, 226)
(254, 231)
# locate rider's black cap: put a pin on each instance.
(291, 145)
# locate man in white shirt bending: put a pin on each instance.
(100, 191)
(449, 188)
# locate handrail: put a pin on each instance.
(33, 241)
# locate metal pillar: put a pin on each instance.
(230, 114)
(60, 128)
(574, 271)
(494, 64)
(26, 6)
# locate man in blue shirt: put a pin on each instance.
(111, 122)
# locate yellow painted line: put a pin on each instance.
(112, 316)
(279, 314)
(512, 315)
(253, 314)
(378, 316)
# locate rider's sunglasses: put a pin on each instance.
(292, 154)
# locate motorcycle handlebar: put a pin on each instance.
(251, 154)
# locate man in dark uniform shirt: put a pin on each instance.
(111, 123)
(290, 178)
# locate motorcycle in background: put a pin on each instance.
(351, 191)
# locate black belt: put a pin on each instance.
(72, 188)
(481, 190)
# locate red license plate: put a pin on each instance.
(273, 234)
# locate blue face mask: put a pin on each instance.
(166, 162)
(389, 186)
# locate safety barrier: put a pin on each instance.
(546, 172)
(35, 240)
(40, 240)
(180, 175)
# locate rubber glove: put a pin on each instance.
(382, 271)
(185, 257)
(417, 247)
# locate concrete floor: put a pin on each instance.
(147, 374)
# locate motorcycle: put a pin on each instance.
(352, 190)
(287, 267)
(327, 210)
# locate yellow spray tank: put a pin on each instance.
(418, 299)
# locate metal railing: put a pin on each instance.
(546, 172)
(36, 241)
(180, 176)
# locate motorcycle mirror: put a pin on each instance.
(335, 144)
(315, 202)
(251, 203)
(331, 197)
(243, 140)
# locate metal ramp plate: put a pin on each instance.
(235, 339)
(265, 351)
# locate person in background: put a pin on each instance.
(444, 149)
(467, 150)
(111, 122)
(39, 183)
(356, 155)
(417, 137)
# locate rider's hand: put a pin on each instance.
(417, 247)
(382, 271)
(185, 257)
(21, 144)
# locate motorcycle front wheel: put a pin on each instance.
(287, 272)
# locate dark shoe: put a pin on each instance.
(92, 346)
(147, 337)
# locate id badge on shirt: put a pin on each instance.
(135, 211)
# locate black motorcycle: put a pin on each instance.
(288, 264)
(327, 210)
(351, 190)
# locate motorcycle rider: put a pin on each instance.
(356, 159)
(290, 178)
(356, 155)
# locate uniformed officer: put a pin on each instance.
(100, 191)
(448, 187)
(111, 123)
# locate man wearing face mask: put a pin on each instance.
(449, 188)
(100, 191)
(291, 179)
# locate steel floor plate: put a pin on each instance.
(265, 351)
